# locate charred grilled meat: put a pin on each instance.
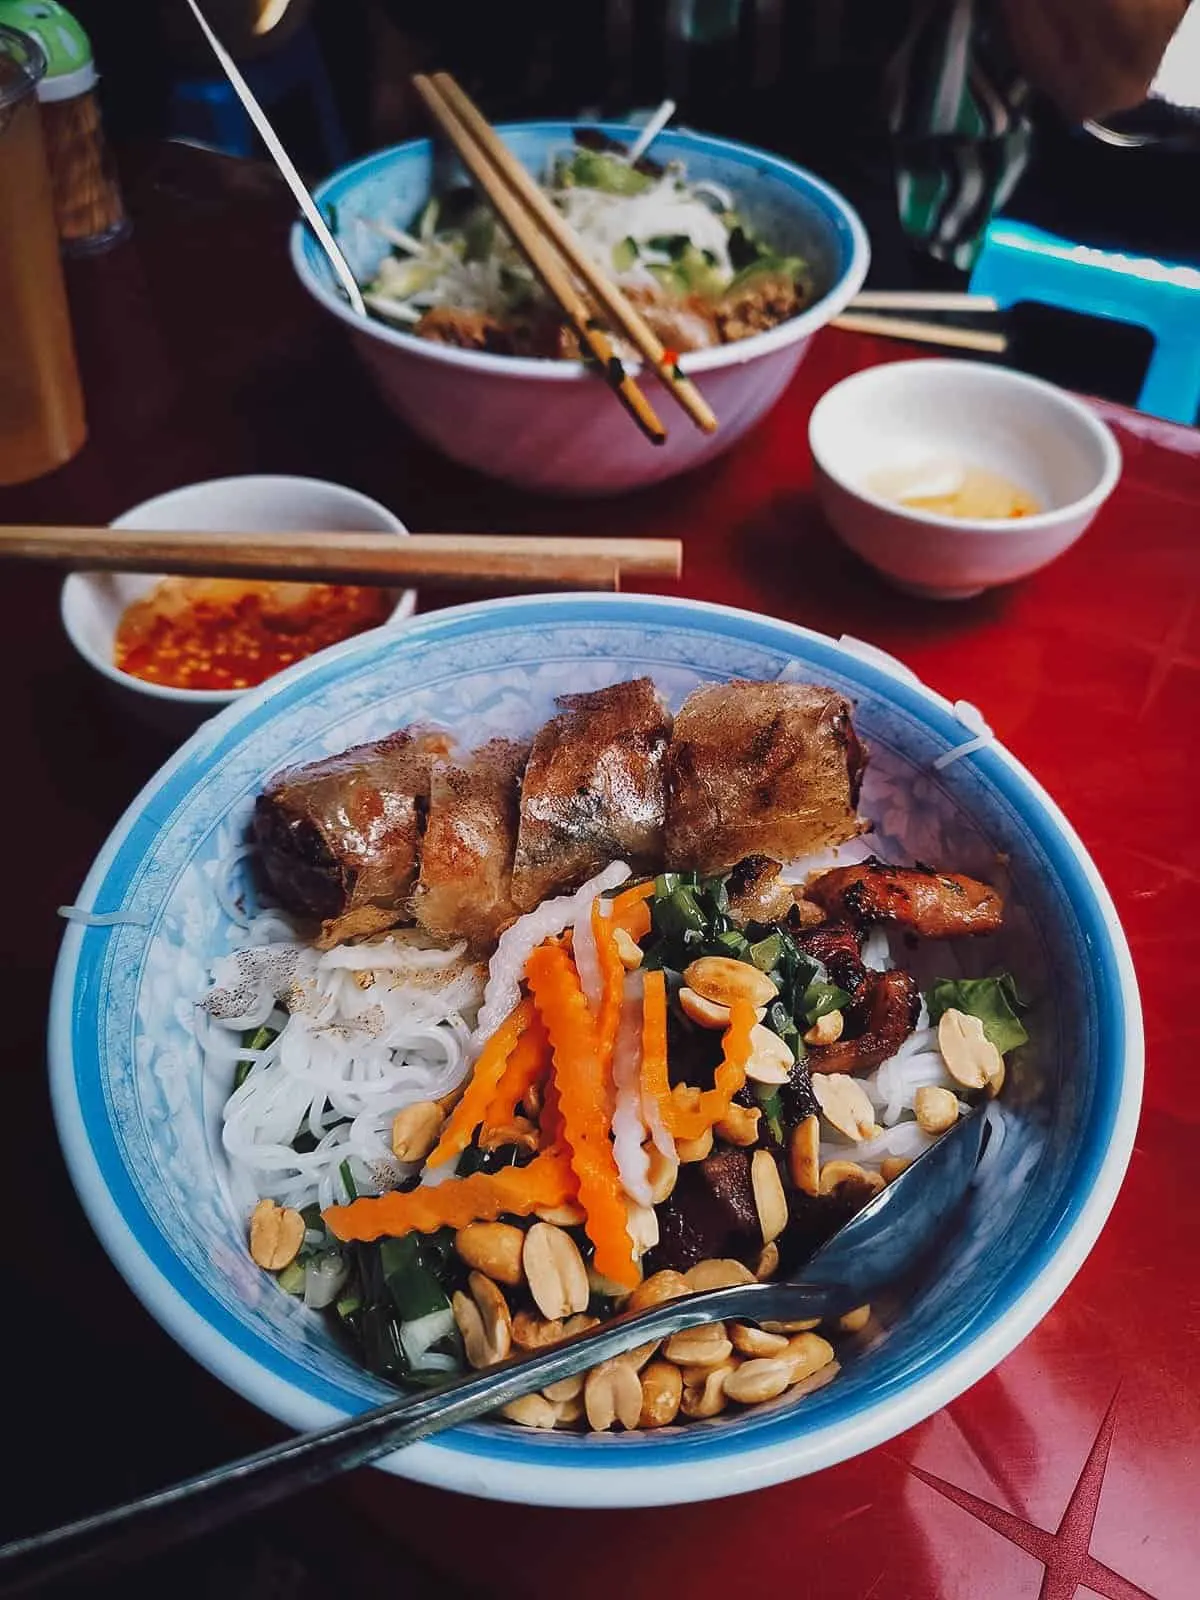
(937, 905)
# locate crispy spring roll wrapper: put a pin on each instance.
(594, 790)
(465, 886)
(770, 769)
(340, 839)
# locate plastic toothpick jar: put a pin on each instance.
(87, 198)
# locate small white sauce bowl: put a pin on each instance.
(93, 602)
(908, 415)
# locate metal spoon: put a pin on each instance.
(285, 164)
(876, 1247)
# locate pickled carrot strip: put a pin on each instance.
(529, 1062)
(714, 1103)
(584, 1097)
(631, 910)
(547, 1181)
(489, 1068)
(656, 1085)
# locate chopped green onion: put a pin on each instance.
(820, 999)
(348, 1181)
(767, 953)
(291, 1278)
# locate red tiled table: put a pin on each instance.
(1070, 1470)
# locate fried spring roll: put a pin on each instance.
(340, 839)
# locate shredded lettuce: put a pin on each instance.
(993, 1000)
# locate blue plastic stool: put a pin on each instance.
(207, 108)
(1019, 262)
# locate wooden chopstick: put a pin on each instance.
(367, 558)
(542, 256)
(922, 300)
(921, 332)
(623, 315)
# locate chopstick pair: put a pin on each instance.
(558, 258)
(364, 558)
(864, 317)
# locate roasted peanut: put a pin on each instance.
(641, 1223)
(936, 1108)
(569, 1411)
(627, 949)
(640, 1354)
(719, 1273)
(520, 1132)
(996, 1081)
(695, 1149)
(494, 1248)
(807, 1353)
(704, 1013)
(612, 1393)
(661, 1175)
(739, 1125)
(756, 1381)
(564, 1216)
(891, 1167)
(756, 1341)
(699, 1347)
(483, 1320)
(276, 1234)
(769, 1199)
(844, 1104)
(804, 1155)
(531, 1411)
(970, 1056)
(555, 1271)
(665, 1285)
(815, 1380)
(770, 1060)
(725, 980)
(791, 1327)
(708, 1400)
(826, 1029)
(767, 1264)
(535, 1333)
(848, 1179)
(564, 1389)
(855, 1321)
(416, 1129)
(662, 1390)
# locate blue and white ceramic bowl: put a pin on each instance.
(553, 425)
(139, 1123)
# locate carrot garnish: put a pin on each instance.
(631, 911)
(528, 1063)
(690, 1117)
(656, 1085)
(489, 1069)
(546, 1182)
(584, 1095)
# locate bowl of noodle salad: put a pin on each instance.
(735, 256)
(276, 1097)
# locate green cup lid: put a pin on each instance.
(70, 70)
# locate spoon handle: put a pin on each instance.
(204, 1502)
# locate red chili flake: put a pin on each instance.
(670, 358)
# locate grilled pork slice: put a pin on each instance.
(340, 839)
(938, 905)
(594, 790)
(465, 886)
(760, 769)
